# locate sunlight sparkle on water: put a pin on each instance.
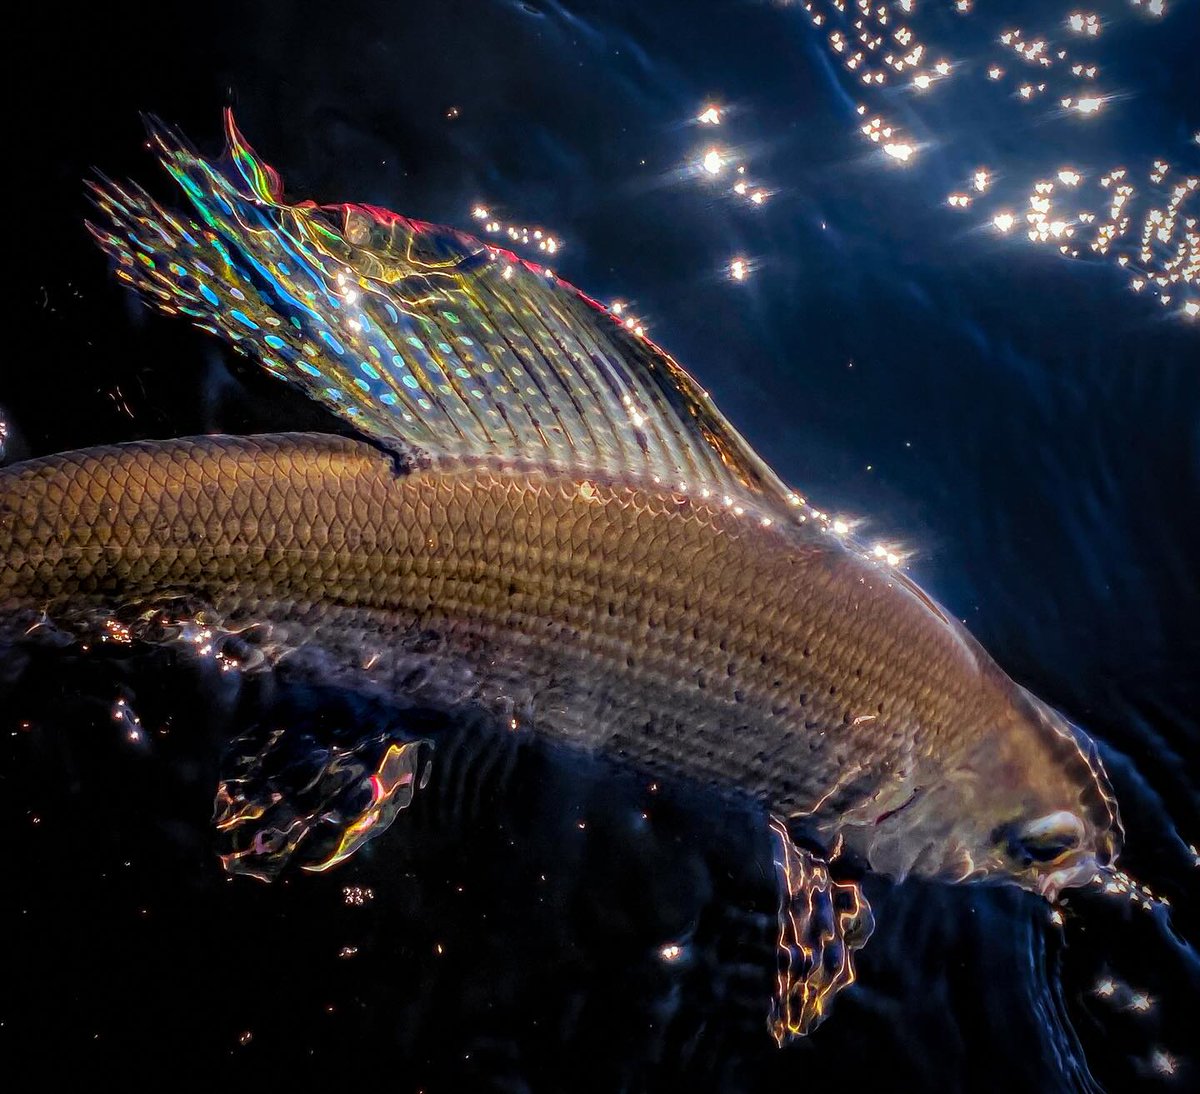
(1084, 24)
(1149, 230)
(517, 234)
(715, 160)
(1163, 1062)
(885, 554)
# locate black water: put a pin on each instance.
(1026, 425)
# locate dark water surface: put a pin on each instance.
(1023, 424)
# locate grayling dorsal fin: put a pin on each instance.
(428, 340)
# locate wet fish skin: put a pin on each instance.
(683, 634)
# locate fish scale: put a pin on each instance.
(715, 684)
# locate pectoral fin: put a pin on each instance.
(822, 923)
(291, 796)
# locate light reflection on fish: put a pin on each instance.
(548, 517)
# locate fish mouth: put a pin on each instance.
(1079, 871)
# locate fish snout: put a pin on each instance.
(1077, 871)
(1055, 851)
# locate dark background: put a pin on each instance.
(1027, 426)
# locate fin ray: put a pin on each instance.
(422, 337)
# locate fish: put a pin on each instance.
(540, 511)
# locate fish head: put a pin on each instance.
(1028, 802)
(1064, 826)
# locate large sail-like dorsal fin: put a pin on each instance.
(425, 338)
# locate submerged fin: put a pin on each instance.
(427, 340)
(311, 798)
(822, 923)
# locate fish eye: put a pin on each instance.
(1045, 839)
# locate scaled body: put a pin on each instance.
(679, 632)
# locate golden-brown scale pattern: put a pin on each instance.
(658, 625)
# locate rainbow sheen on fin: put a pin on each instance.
(426, 339)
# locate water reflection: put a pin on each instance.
(1140, 217)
